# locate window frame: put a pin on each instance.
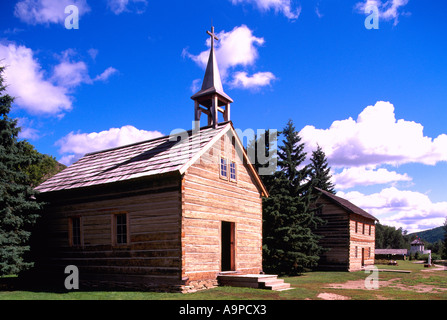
(71, 232)
(115, 233)
(221, 175)
(232, 162)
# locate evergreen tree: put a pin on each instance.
(263, 155)
(18, 209)
(320, 172)
(290, 246)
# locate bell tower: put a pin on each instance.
(211, 99)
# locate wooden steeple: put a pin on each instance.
(211, 98)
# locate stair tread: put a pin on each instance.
(278, 286)
(261, 281)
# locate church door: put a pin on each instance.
(227, 246)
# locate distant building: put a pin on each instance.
(348, 235)
(394, 254)
(417, 245)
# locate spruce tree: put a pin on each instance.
(18, 209)
(290, 246)
(263, 155)
(320, 172)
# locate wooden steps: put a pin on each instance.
(259, 281)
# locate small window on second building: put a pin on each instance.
(233, 170)
(75, 231)
(121, 228)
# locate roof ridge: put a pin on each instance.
(340, 201)
(221, 124)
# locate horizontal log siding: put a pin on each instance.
(335, 236)
(359, 240)
(207, 200)
(153, 250)
(342, 239)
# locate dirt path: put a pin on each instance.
(436, 267)
(332, 296)
(360, 285)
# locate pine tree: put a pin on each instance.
(18, 209)
(320, 172)
(290, 246)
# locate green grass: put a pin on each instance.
(306, 286)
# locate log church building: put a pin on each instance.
(166, 214)
(175, 212)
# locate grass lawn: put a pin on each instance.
(420, 284)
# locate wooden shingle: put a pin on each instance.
(146, 158)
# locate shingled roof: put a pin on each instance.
(391, 251)
(146, 158)
(350, 207)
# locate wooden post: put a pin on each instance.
(227, 112)
(197, 111)
(214, 112)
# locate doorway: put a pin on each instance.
(227, 245)
(363, 257)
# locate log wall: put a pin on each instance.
(207, 200)
(349, 238)
(150, 258)
(335, 235)
(362, 242)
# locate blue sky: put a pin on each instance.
(374, 99)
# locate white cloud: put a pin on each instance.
(47, 11)
(388, 10)
(106, 74)
(75, 145)
(195, 85)
(363, 176)
(411, 210)
(279, 6)
(93, 53)
(236, 48)
(260, 79)
(375, 138)
(318, 13)
(70, 74)
(35, 91)
(120, 6)
(26, 81)
(26, 130)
